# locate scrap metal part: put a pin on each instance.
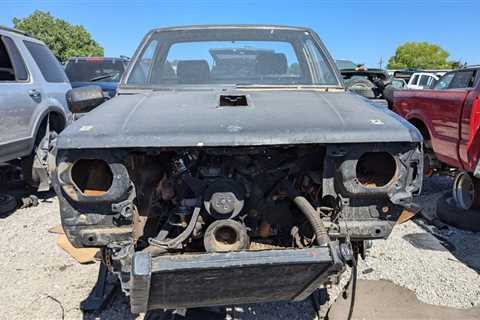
(213, 279)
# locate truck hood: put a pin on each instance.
(193, 118)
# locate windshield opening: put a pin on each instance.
(94, 70)
(231, 57)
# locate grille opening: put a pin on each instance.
(233, 101)
(375, 169)
(92, 177)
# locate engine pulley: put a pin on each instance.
(224, 199)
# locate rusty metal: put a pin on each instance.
(405, 216)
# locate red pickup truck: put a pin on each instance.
(448, 116)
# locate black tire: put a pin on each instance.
(33, 177)
(387, 94)
(449, 213)
(8, 204)
(363, 87)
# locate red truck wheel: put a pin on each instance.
(466, 191)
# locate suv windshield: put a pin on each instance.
(94, 69)
(231, 57)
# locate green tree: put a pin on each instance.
(64, 39)
(420, 55)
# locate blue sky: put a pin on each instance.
(363, 31)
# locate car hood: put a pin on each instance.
(193, 118)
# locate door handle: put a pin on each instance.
(34, 93)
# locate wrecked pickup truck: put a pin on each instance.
(232, 167)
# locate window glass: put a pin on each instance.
(6, 68)
(51, 69)
(227, 62)
(431, 82)
(444, 81)
(415, 79)
(462, 80)
(232, 57)
(141, 71)
(345, 64)
(321, 69)
(94, 69)
(18, 64)
(424, 80)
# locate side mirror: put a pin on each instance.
(84, 99)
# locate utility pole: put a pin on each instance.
(380, 63)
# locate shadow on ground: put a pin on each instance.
(381, 299)
(464, 245)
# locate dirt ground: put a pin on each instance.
(430, 272)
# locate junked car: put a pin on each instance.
(33, 107)
(371, 83)
(232, 167)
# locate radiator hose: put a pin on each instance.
(313, 217)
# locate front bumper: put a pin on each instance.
(199, 280)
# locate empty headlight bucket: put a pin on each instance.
(375, 169)
(93, 180)
(367, 171)
(92, 177)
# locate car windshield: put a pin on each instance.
(94, 70)
(215, 57)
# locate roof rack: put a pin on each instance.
(14, 30)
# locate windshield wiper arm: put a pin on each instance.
(101, 77)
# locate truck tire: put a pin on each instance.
(388, 93)
(7, 204)
(466, 191)
(363, 87)
(448, 212)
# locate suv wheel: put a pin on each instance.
(466, 191)
(36, 165)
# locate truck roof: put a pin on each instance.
(18, 34)
(231, 26)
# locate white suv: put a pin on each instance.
(33, 107)
(422, 80)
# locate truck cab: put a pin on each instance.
(448, 115)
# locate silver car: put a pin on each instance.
(33, 107)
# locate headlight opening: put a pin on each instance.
(376, 169)
(92, 177)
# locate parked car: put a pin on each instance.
(422, 80)
(33, 109)
(205, 187)
(448, 116)
(102, 71)
(368, 82)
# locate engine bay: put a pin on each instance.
(226, 199)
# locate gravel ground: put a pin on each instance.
(40, 281)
